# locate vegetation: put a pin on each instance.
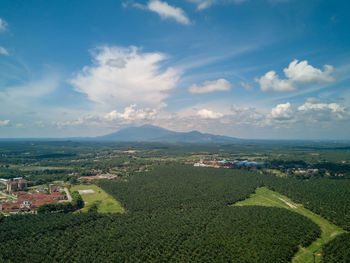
(266, 197)
(328, 198)
(174, 214)
(76, 204)
(179, 213)
(337, 251)
(99, 200)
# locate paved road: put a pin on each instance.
(69, 197)
(9, 196)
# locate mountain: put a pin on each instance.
(150, 133)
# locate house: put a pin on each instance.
(31, 200)
(25, 204)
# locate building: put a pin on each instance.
(14, 186)
(54, 188)
(22, 184)
(97, 177)
(30, 201)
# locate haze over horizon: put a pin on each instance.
(269, 69)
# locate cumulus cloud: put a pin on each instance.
(3, 51)
(124, 76)
(271, 82)
(208, 114)
(296, 73)
(246, 116)
(3, 25)
(282, 112)
(131, 113)
(166, 11)
(314, 105)
(4, 123)
(304, 73)
(312, 111)
(316, 110)
(211, 86)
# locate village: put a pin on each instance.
(226, 164)
(18, 198)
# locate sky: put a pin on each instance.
(262, 69)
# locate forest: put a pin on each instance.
(326, 197)
(174, 214)
(337, 250)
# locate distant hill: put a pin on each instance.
(150, 133)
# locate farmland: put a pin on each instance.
(94, 196)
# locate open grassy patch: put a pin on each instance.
(94, 195)
(265, 197)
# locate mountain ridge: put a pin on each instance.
(150, 133)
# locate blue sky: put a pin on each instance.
(244, 68)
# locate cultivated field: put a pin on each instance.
(94, 195)
(266, 197)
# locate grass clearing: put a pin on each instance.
(265, 197)
(105, 202)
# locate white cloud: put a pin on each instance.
(304, 73)
(246, 116)
(131, 113)
(4, 122)
(3, 25)
(166, 11)
(3, 51)
(127, 3)
(203, 4)
(282, 112)
(211, 86)
(124, 76)
(246, 86)
(311, 112)
(208, 114)
(296, 73)
(271, 82)
(24, 94)
(312, 104)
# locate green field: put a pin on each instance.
(105, 203)
(266, 197)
